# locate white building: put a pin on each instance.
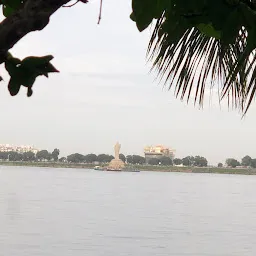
(158, 152)
(20, 149)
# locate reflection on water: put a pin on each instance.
(62, 212)
(13, 207)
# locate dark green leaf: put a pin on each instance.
(32, 61)
(11, 65)
(13, 86)
(26, 71)
(29, 92)
(209, 30)
(143, 12)
(231, 27)
(7, 10)
(15, 4)
(132, 17)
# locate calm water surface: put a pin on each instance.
(62, 212)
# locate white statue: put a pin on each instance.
(116, 164)
(117, 150)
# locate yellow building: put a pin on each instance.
(158, 152)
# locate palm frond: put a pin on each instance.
(195, 60)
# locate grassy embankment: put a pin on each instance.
(139, 167)
(47, 164)
(246, 171)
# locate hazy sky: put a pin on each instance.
(105, 94)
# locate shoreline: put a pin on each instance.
(239, 171)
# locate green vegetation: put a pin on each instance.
(231, 162)
(194, 41)
(28, 16)
(153, 161)
(246, 161)
(194, 161)
(135, 159)
(177, 161)
(220, 165)
(189, 163)
(42, 155)
(55, 154)
(197, 164)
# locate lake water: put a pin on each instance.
(72, 212)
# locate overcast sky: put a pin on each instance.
(104, 93)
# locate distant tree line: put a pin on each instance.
(189, 161)
(246, 161)
(45, 155)
(198, 161)
(29, 156)
(90, 158)
(102, 158)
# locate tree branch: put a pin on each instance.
(71, 5)
(34, 15)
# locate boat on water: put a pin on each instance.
(125, 169)
(98, 168)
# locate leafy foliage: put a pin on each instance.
(23, 17)
(135, 159)
(246, 161)
(104, 158)
(122, 157)
(231, 162)
(28, 156)
(188, 161)
(220, 165)
(12, 156)
(198, 161)
(90, 158)
(55, 154)
(200, 42)
(43, 155)
(76, 158)
(177, 161)
(10, 6)
(153, 161)
(165, 160)
(253, 163)
(26, 71)
(63, 159)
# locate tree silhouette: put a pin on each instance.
(43, 155)
(122, 157)
(165, 160)
(231, 162)
(177, 161)
(153, 161)
(246, 161)
(55, 154)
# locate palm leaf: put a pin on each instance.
(193, 60)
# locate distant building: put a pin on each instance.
(20, 149)
(158, 152)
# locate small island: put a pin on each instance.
(116, 164)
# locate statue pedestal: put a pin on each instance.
(115, 165)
